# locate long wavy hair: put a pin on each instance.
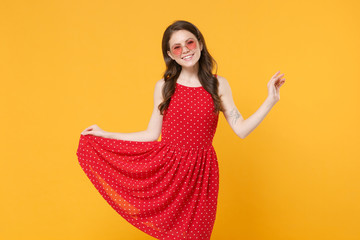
(206, 62)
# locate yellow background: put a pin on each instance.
(66, 65)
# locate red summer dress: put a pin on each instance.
(169, 188)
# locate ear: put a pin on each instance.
(168, 52)
(201, 46)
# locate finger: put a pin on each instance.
(281, 80)
(88, 133)
(87, 130)
(275, 74)
(279, 83)
(276, 81)
(281, 75)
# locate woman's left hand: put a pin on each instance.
(274, 86)
(94, 130)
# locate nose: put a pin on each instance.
(185, 49)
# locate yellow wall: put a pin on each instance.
(66, 65)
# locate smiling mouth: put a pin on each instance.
(188, 57)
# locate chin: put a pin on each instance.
(190, 64)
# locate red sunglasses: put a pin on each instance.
(177, 48)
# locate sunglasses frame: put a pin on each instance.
(181, 47)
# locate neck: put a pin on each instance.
(190, 73)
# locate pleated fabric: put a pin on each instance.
(168, 188)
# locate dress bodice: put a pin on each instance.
(189, 121)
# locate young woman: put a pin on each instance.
(169, 188)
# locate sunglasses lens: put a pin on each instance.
(191, 44)
(177, 50)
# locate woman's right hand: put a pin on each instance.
(94, 130)
(274, 87)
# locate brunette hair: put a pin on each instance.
(206, 62)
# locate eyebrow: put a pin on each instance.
(185, 40)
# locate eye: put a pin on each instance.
(191, 44)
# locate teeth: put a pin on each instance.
(187, 57)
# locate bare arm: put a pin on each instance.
(153, 130)
(241, 127)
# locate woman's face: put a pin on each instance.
(182, 44)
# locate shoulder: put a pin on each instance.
(160, 83)
(158, 89)
(224, 86)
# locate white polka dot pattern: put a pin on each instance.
(169, 188)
